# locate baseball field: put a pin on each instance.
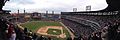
(48, 28)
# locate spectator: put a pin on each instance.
(10, 30)
(69, 38)
(94, 37)
(13, 36)
(26, 31)
(34, 36)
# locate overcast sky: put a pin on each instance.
(53, 5)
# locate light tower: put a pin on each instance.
(18, 11)
(17, 15)
(88, 8)
(47, 14)
(24, 11)
(53, 12)
(74, 9)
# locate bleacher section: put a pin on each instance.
(85, 23)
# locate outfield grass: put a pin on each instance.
(36, 25)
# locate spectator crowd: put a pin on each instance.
(10, 31)
(80, 25)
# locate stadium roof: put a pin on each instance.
(113, 5)
(89, 12)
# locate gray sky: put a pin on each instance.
(54, 5)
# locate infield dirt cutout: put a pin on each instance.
(44, 31)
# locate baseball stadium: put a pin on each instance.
(77, 25)
(47, 28)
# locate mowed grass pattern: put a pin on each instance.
(35, 25)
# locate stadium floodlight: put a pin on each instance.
(74, 9)
(88, 8)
